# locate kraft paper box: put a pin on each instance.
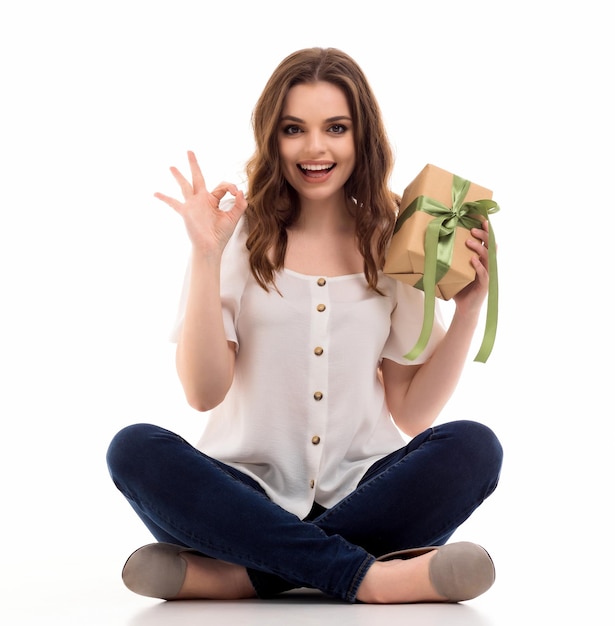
(428, 249)
(406, 256)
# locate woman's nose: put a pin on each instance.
(316, 143)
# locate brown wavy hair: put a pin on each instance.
(273, 205)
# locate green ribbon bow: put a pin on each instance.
(439, 241)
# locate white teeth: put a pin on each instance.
(316, 168)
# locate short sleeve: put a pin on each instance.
(234, 273)
(406, 324)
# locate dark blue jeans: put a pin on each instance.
(416, 496)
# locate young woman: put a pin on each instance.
(292, 338)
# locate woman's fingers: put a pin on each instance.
(198, 181)
(481, 247)
(184, 184)
(239, 206)
(172, 202)
(195, 193)
(189, 189)
(222, 189)
(482, 233)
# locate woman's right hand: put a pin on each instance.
(209, 227)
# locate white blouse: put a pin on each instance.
(306, 414)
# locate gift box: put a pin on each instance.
(428, 249)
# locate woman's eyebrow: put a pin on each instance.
(336, 118)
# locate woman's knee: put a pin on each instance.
(482, 437)
(481, 445)
(128, 446)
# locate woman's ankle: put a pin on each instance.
(399, 582)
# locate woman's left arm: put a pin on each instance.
(417, 393)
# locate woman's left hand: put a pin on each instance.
(470, 299)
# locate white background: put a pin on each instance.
(99, 98)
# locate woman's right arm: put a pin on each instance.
(205, 359)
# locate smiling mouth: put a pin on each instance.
(315, 171)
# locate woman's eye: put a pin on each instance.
(338, 129)
(291, 130)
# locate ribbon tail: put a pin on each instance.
(429, 289)
(491, 322)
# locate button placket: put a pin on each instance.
(318, 374)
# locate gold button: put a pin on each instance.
(318, 395)
(312, 483)
(322, 282)
(315, 440)
(318, 350)
(320, 308)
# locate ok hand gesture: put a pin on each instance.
(209, 227)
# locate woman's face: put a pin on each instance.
(316, 140)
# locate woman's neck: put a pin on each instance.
(322, 241)
(329, 216)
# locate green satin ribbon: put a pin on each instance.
(439, 243)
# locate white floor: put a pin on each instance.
(81, 591)
(114, 606)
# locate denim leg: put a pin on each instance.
(419, 495)
(185, 497)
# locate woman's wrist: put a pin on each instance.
(466, 316)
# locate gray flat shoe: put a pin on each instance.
(156, 570)
(458, 571)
